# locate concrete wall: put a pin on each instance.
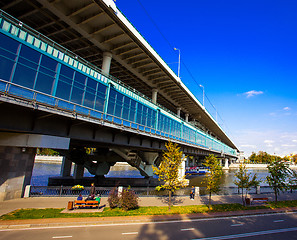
(16, 166)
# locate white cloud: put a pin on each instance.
(286, 108)
(252, 93)
(271, 141)
(248, 146)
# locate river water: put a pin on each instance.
(42, 171)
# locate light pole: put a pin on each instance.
(203, 93)
(178, 71)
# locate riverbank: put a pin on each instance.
(255, 166)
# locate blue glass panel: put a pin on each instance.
(80, 78)
(77, 95)
(26, 93)
(6, 54)
(99, 103)
(8, 66)
(47, 71)
(92, 84)
(2, 86)
(82, 110)
(44, 83)
(28, 63)
(89, 100)
(30, 54)
(63, 90)
(8, 43)
(24, 76)
(65, 105)
(66, 71)
(45, 99)
(127, 124)
(49, 63)
(95, 114)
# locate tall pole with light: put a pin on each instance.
(178, 71)
(203, 93)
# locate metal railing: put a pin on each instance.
(66, 191)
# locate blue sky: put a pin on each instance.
(244, 53)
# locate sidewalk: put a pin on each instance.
(53, 202)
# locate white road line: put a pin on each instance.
(250, 234)
(236, 225)
(130, 233)
(62, 237)
(276, 221)
(187, 229)
(84, 225)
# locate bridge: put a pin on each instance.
(78, 74)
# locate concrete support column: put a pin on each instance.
(178, 111)
(107, 56)
(78, 171)
(66, 167)
(154, 95)
(16, 165)
(187, 117)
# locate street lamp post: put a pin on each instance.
(203, 93)
(178, 71)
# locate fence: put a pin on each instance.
(66, 191)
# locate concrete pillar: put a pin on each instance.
(154, 95)
(16, 165)
(107, 56)
(78, 171)
(66, 167)
(187, 117)
(178, 111)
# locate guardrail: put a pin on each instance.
(65, 191)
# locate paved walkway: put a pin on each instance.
(56, 202)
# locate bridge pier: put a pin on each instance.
(66, 167)
(78, 171)
(17, 154)
(16, 165)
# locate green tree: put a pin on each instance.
(213, 176)
(168, 170)
(245, 181)
(279, 173)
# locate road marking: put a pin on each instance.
(276, 221)
(236, 225)
(99, 224)
(62, 237)
(242, 235)
(130, 233)
(187, 229)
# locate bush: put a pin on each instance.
(129, 200)
(113, 198)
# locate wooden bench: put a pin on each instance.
(86, 204)
(259, 200)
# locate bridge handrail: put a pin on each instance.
(104, 116)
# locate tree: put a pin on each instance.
(245, 181)
(168, 170)
(213, 176)
(278, 175)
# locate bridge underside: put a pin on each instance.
(40, 129)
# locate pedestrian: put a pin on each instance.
(92, 189)
(192, 193)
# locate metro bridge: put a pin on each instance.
(53, 97)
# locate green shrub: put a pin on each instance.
(113, 198)
(129, 200)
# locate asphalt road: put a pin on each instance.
(267, 226)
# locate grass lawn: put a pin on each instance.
(108, 212)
